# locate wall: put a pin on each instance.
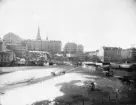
(45, 45)
(70, 48)
(126, 54)
(80, 49)
(49, 46)
(133, 54)
(38, 45)
(109, 54)
(112, 54)
(7, 56)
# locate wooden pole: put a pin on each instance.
(102, 99)
(83, 101)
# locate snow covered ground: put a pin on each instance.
(40, 91)
(58, 86)
(26, 74)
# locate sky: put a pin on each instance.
(92, 23)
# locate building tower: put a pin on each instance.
(47, 38)
(38, 37)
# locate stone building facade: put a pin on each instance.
(110, 54)
(38, 44)
(6, 55)
(44, 45)
(80, 48)
(70, 47)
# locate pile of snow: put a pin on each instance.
(23, 75)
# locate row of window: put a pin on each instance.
(4, 60)
(117, 53)
(4, 56)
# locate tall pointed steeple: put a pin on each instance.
(38, 37)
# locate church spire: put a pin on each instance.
(38, 37)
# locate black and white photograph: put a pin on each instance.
(67, 52)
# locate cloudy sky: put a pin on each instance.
(93, 23)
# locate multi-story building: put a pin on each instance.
(44, 45)
(129, 54)
(109, 54)
(114, 54)
(54, 46)
(133, 54)
(51, 46)
(6, 56)
(70, 47)
(80, 48)
(126, 55)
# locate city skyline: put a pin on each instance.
(90, 23)
(37, 38)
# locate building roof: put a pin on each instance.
(111, 48)
(38, 37)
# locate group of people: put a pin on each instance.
(92, 87)
(76, 64)
(61, 72)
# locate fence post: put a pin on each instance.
(117, 98)
(102, 99)
(128, 93)
(93, 99)
(116, 95)
(83, 101)
(109, 98)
